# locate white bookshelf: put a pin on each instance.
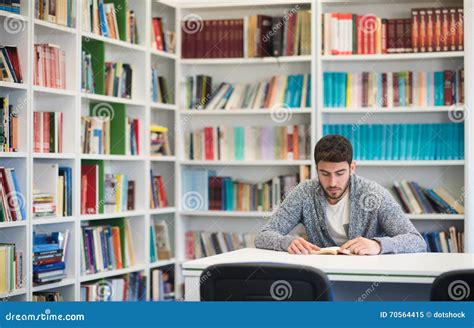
(74, 103)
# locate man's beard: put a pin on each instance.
(341, 195)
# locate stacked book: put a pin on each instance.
(393, 89)
(50, 66)
(161, 38)
(418, 200)
(49, 256)
(445, 242)
(12, 200)
(226, 143)
(48, 132)
(427, 30)
(202, 243)
(12, 6)
(118, 80)
(444, 141)
(107, 245)
(11, 268)
(281, 91)
(43, 204)
(130, 287)
(61, 12)
(159, 142)
(8, 126)
(10, 68)
(47, 297)
(158, 197)
(203, 191)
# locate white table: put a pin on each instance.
(388, 277)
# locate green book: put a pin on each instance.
(96, 49)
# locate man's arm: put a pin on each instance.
(274, 234)
(402, 236)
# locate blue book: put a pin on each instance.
(49, 267)
(403, 142)
(379, 101)
(289, 91)
(299, 90)
(401, 88)
(103, 20)
(326, 87)
(308, 97)
(438, 88)
(396, 142)
(425, 237)
(342, 99)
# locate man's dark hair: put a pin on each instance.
(333, 148)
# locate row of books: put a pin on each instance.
(160, 90)
(47, 297)
(98, 132)
(119, 193)
(107, 245)
(130, 287)
(288, 35)
(158, 198)
(52, 190)
(227, 143)
(160, 247)
(222, 193)
(50, 66)
(443, 141)
(87, 75)
(162, 39)
(49, 256)
(61, 12)
(11, 268)
(162, 284)
(106, 19)
(202, 243)
(12, 200)
(159, 141)
(48, 132)
(418, 200)
(428, 30)
(118, 80)
(282, 91)
(393, 89)
(12, 6)
(10, 68)
(8, 126)
(252, 36)
(445, 242)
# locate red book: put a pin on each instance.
(384, 90)
(410, 88)
(190, 251)
(161, 190)
(215, 193)
(208, 142)
(290, 33)
(136, 131)
(296, 151)
(437, 30)
(453, 29)
(89, 188)
(157, 28)
(399, 35)
(46, 131)
(37, 132)
(392, 38)
(430, 29)
(8, 192)
(360, 40)
(415, 30)
(422, 31)
(460, 29)
(407, 35)
(215, 36)
(445, 30)
(384, 36)
(240, 38)
(396, 93)
(448, 88)
(365, 89)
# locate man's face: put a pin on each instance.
(334, 177)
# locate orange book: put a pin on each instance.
(117, 247)
(296, 151)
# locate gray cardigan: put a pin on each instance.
(374, 214)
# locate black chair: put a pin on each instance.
(454, 286)
(264, 282)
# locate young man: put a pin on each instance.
(340, 209)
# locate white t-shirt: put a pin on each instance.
(338, 217)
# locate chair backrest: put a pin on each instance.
(264, 282)
(453, 286)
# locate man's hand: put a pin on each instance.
(301, 246)
(362, 246)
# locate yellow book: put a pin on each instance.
(118, 194)
(348, 91)
(3, 269)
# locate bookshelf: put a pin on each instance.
(26, 30)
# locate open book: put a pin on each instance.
(335, 250)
